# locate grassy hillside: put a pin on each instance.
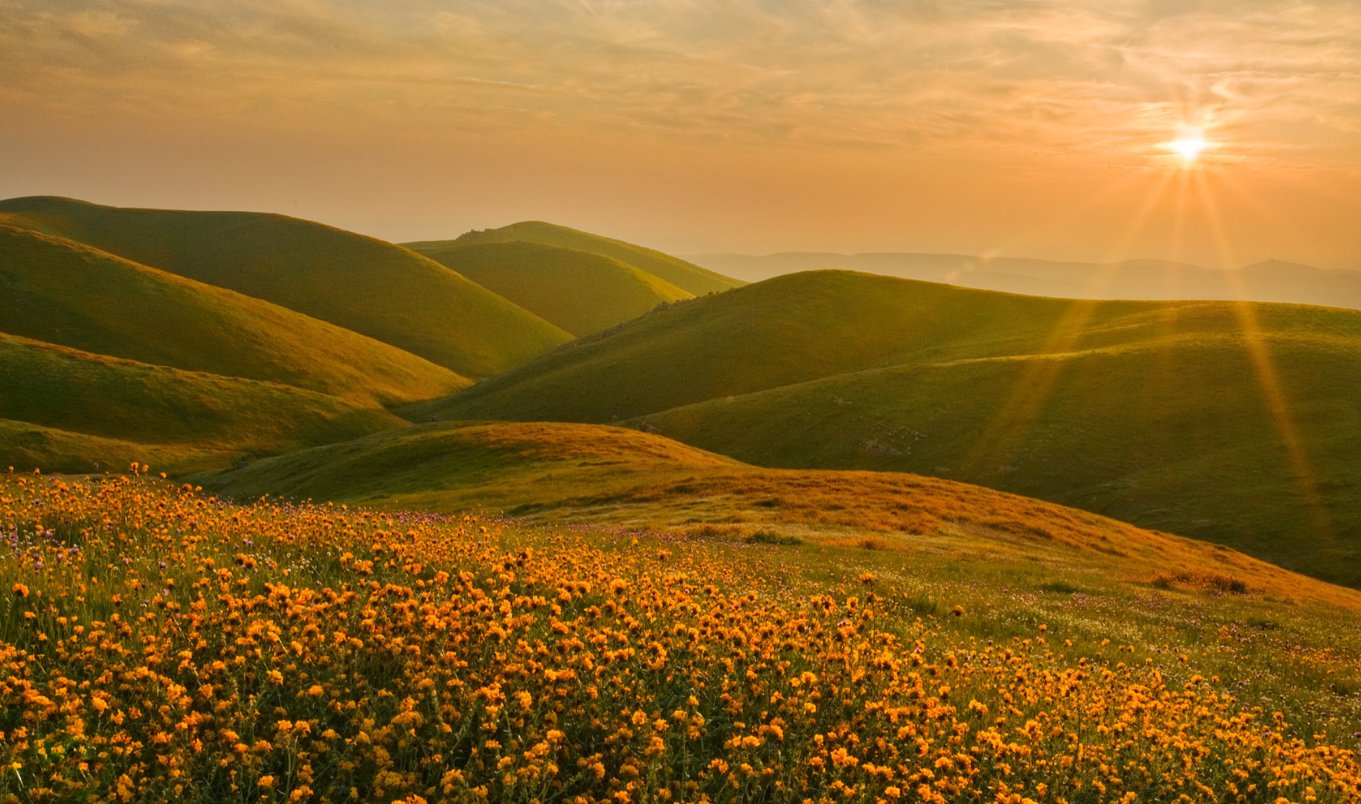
(1176, 436)
(786, 330)
(25, 447)
(56, 290)
(194, 417)
(687, 276)
(556, 471)
(384, 291)
(1229, 422)
(494, 466)
(403, 655)
(579, 291)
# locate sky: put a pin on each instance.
(1013, 127)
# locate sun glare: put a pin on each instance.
(1189, 146)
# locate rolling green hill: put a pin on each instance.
(784, 330)
(579, 291)
(1236, 423)
(1176, 436)
(56, 290)
(74, 409)
(687, 276)
(377, 289)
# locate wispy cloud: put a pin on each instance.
(847, 71)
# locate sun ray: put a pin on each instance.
(1285, 228)
(1059, 223)
(1264, 366)
(1001, 439)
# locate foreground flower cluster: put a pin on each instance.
(156, 643)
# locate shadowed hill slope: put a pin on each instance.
(56, 290)
(579, 291)
(384, 291)
(687, 276)
(1231, 422)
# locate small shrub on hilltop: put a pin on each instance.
(162, 644)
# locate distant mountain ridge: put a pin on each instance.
(1271, 280)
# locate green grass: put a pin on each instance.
(25, 447)
(377, 289)
(579, 291)
(60, 291)
(1236, 423)
(193, 419)
(492, 465)
(1151, 436)
(785, 330)
(687, 276)
(1101, 587)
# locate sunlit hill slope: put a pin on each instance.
(101, 406)
(123, 338)
(561, 471)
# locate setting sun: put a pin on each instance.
(1189, 146)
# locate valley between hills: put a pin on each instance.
(534, 514)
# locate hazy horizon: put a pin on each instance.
(998, 127)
